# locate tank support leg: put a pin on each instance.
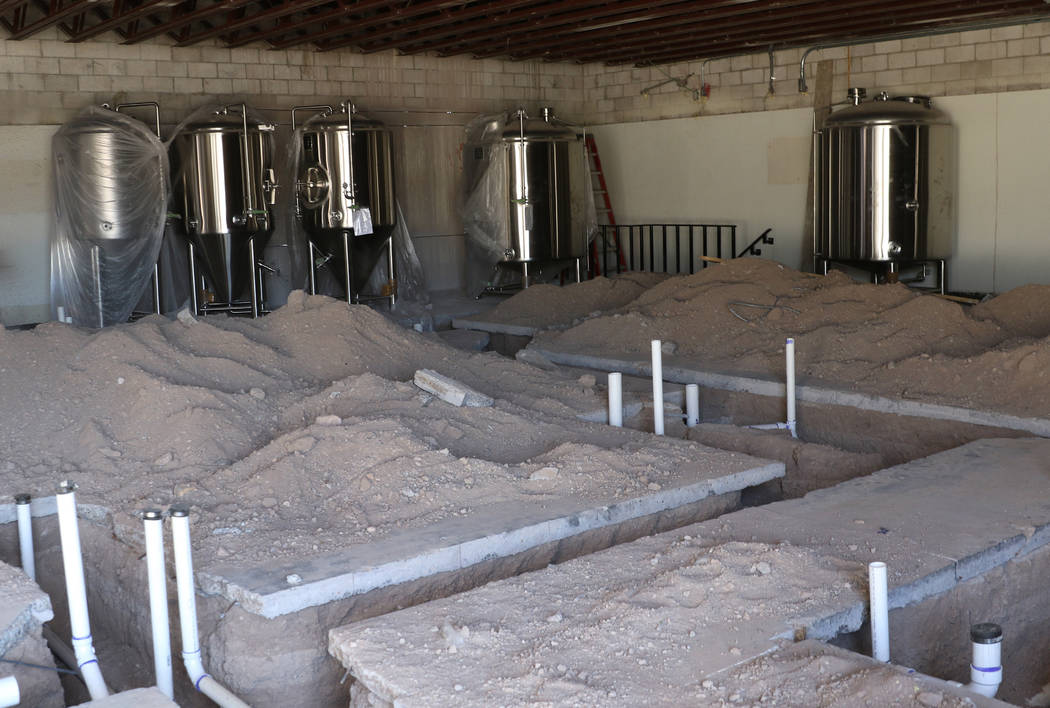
(193, 282)
(260, 273)
(96, 272)
(313, 268)
(346, 262)
(156, 289)
(578, 271)
(524, 275)
(391, 270)
(255, 285)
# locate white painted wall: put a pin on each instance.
(25, 223)
(752, 169)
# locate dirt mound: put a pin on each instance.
(885, 339)
(551, 306)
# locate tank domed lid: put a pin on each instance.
(227, 119)
(886, 110)
(337, 119)
(515, 125)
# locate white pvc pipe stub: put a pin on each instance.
(23, 510)
(658, 387)
(880, 613)
(616, 399)
(789, 362)
(9, 693)
(986, 666)
(153, 527)
(76, 591)
(692, 405)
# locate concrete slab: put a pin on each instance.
(136, 698)
(650, 621)
(494, 327)
(805, 393)
(23, 607)
(812, 673)
(495, 532)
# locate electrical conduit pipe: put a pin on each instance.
(153, 526)
(880, 611)
(986, 667)
(25, 534)
(9, 693)
(658, 387)
(76, 592)
(616, 399)
(191, 650)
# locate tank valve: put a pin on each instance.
(509, 254)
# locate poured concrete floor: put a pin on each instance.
(654, 620)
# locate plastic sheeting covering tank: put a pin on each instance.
(530, 201)
(111, 200)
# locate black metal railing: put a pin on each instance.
(663, 248)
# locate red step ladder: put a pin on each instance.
(604, 209)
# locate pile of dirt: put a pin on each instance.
(884, 339)
(298, 433)
(545, 306)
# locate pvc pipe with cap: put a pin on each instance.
(692, 405)
(76, 591)
(880, 614)
(616, 399)
(23, 511)
(986, 666)
(9, 693)
(191, 649)
(153, 527)
(658, 387)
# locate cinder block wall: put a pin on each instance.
(1010, 58)
(45, 80)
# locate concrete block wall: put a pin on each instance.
(1013, 58)
(45, 80)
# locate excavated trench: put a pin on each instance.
(933, 636)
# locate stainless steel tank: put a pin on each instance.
(345, 172)
(885, 181)
(98, 156)
(546, 186)
(225, 178)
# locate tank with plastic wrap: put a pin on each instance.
(529, 193)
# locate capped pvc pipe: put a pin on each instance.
(153, 526)
(880, 611)
(692, 405)
(191, 649)
(658, 388)
(789, 355)
(616, 399)
(986, 666)
(25, 534)
(76, 592)
(9, 693)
